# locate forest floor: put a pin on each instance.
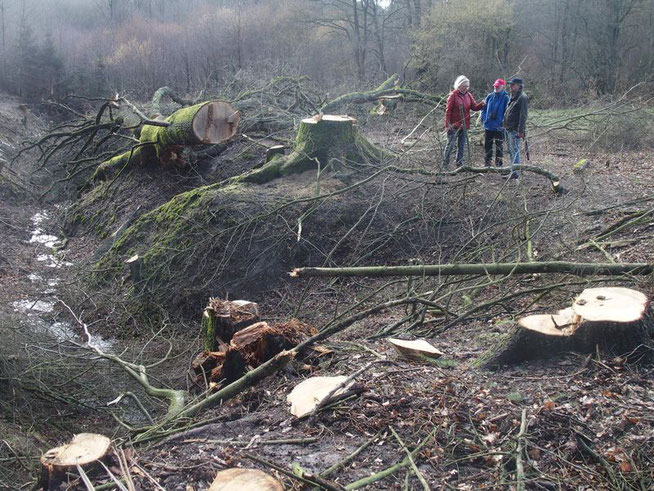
(571, 422)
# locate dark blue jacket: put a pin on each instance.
(492, 115)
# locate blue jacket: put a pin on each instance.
(492, 115)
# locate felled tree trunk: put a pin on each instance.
(616, 321)
(202, 124)
(321, 140)
(82, 450)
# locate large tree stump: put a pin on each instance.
(83, 449)
(321, 140)
(615, 321)
(202, 124)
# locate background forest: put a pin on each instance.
(567, 50)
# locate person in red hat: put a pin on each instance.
(492, 117)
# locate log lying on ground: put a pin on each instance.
(580, 269)
(202, 124)
(321, 141)
(616, 321)
(82, 450)
(240, 341)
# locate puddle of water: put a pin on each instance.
(61, 331)
(28, 306)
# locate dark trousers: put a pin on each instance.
(494, 137)
(460, 137)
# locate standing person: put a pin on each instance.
(492, 117)
(457, 118)
(515, 121)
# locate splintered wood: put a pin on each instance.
(235, 341)
(614, 320)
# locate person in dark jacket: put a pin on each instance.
(457, 118)
(492, 117)
(515, 121)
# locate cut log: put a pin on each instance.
(222, 318)
(418, 349)
(616, 321)
(309, 393)
(244, 479)
(202, 124)
(321, 140)
(83, 449)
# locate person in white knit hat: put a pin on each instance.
(457, 118)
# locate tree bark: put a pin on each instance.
(580, 269)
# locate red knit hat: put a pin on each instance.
(499, 82)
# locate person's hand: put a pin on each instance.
(483, 103)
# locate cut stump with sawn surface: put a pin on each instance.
(613, 320)
(83, 449)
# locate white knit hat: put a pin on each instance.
(460, 80)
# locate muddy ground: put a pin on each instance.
(583, 421)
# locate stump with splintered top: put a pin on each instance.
(235, 340)
(322, 140)
(616, 321)
(84, 449)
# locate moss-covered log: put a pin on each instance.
(615, 321)
(202, 124)
(322, 140)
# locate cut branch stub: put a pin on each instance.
(321, 140)
(615, 320)
(83, 449)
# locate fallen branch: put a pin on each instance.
(519, 464)
(416, 471)
(579, 269)
(366, 481)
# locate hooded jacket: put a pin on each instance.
(455, 101)
(515, 118)
(492, 115)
